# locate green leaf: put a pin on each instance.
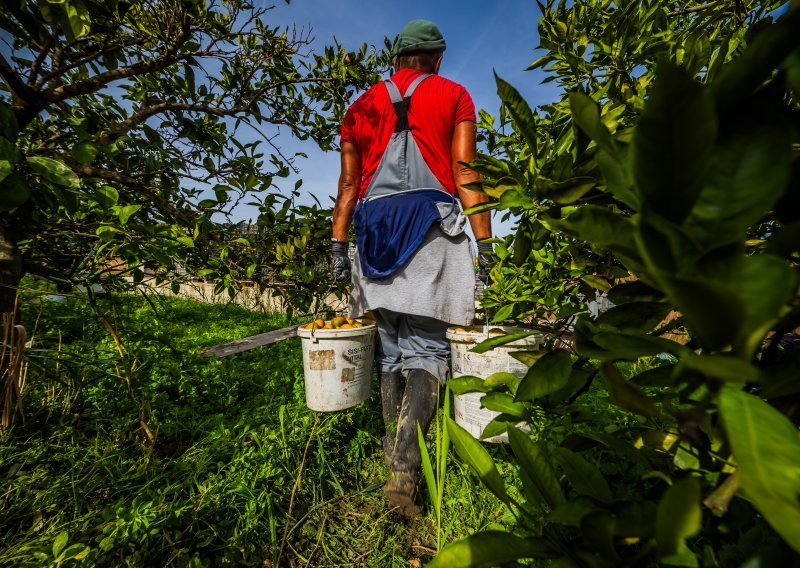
(720, 366)
(570, 190)
(586, 114)
(712, 310)
(499, 425)
(585, 477)
(84, 152)
(125, 212)
(765, 446)
(624, 393)
(504, 402)
(503, 313)
(747, 174)
(570, 513)
(635, 317)
(427, 469)
(489, 548)
(548, 374)
(520, 112)
(673, 141)
(679, 517)
(596, 282)
(107, 195)
(739, 78)
(5, 169)
(14, 191)
(59, 543)
(78, 16)
(601, 227)
(537, 465)
(628, 346)
(618, 177)
(54, 171)
(475, 455)
(467, 383)
(765, 284)
(502, 379)
(498, 340)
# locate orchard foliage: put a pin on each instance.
(667, 176)
(129, 130)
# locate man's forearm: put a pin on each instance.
(343, 210)
(481, 223)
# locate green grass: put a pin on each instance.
(214, 488)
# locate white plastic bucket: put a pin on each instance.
(337, 366)
(467, 407)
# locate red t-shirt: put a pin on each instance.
(437, 106)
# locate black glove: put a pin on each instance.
(341, 262)
(486, 260)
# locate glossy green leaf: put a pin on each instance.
(747, 174)
(5, 169)
(635, 317)
(601, 227)
(596, 282)
(624, 393)
(78, 17)
(586, 114)
(54, 171)
(720, 366)
(499, 425)
(679, 517)
(475, 455)
(584, 477)
(536, 464)
(547, 375)
(673, 141)
(765, 446)
(498, 340)
(489, 548)
(84, 152)
(503, 313)
(502, 379)
(618, 176)
(628, 346)
(520, 112)
(570, 190)
(504, 402)
(125, 212)
(107, 195)
(467, 383)
(765, 284)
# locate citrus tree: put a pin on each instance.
(130, 130)
(667, 176)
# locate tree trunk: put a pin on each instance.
(10, 271)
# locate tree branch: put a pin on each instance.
(95, 83)
(94, 172)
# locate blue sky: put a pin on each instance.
(480, 35)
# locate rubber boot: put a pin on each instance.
(391, 399)
(419, 405)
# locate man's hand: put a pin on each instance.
(486, 260)
(341, 262)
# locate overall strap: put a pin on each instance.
(402, 103)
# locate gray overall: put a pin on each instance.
(436, 287)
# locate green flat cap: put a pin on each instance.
(419, 35)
